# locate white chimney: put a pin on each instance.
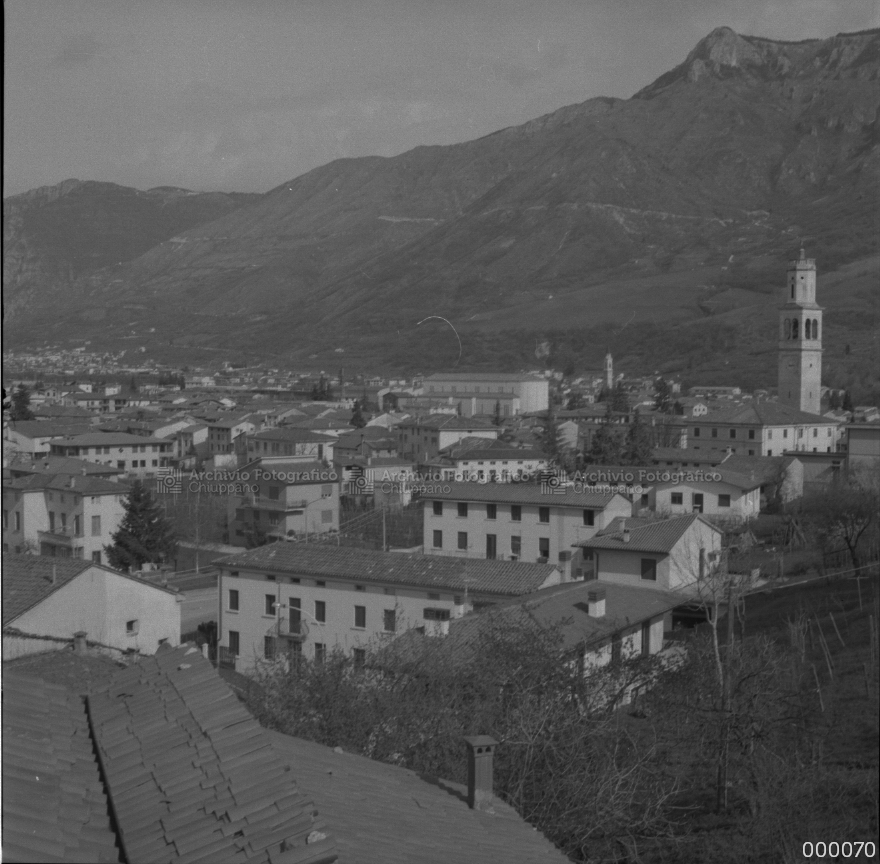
(625, 531)
(596, 603)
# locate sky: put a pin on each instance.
(246, 95)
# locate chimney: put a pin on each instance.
(79, 642)
(565, 565)
(625, 531)
(83, 471)
(479, 789)
(73, 482)
(596, 601)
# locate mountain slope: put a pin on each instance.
(682, 202)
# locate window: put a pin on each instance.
(589, 517)
(391, 591)
(491, 511)
(435, 614)
(697, 432)
(543, 547)
(360, 616)
(96, 557)
(438, 508)
(274, 493)
(697, 502)
(751, 434)
(438, 539)
(649, 569)
(390, 620)
(724, 500)
(233, 642)
(77, 526)
(491, 546)
(270, 605)
(320, 653)
(462, 540)
(131, 627)
(462, 508)
(733, 433)
(51, 521)
(120, 463)
(269, 647)
(360, 657)
(785, 433)
(320, 611)
(18, 521)
(233, 600)
(677, 497)
(320, 583)
(326, 491)
(516, 545)
(433, 596)
(516, 513)
(714, 433)
(543, 514)
(275, 519)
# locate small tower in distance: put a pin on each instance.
(609, 371)
(800, 339)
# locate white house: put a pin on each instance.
(46, 601)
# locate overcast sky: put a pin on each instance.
(245, 95)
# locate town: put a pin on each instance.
(278, 522)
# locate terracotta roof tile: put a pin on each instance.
(658, 535)
(509, 578)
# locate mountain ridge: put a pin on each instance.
(711, 176)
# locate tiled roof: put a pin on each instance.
(48, 428)
(107, 439)
(28, 579)
(78, 485)
(759, 469)
(561, 607)
(522, 493)
(192, 776)
(764, 414)
(291, 433)
(659, 535)
(62, 465)
(674, 454)
(368, 565)
(54, 806)
(483, 376)
(383, 814)
(450, 422)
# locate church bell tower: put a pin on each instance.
(609, 371)
(800, 339)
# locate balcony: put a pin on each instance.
(63, 534)
(260, 503)
(286, 629)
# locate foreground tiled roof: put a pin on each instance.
(62, 465)
(382, 814)
(54, 806)
(107, 439)
(522, 493)
(28, 579)
(192, 776)
(659, 535)
(78, 485)
(510, 578)
(291, 433)
(759, 469)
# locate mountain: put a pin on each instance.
(56, 234)
(676, 209)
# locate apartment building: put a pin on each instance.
(61, 515)
(307, 599)
(515, 521)
(422, 438)
(764, 429)
(138, 456)
(288, 500)
(284, 443)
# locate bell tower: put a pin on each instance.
(800, 339)
(609, 371)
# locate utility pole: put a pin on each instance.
(384, 543)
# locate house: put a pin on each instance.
(677, 457)
(33, 436)
(137, 455)
(366, 443)
(422, 439)
(223, 432)
(668, 554)
(488, 459)
(191, 443)
(24, 466)
(781, 478)
(597, 624)
(292, 499)
(286, 443)
(304, 599)
(193, 777)
(515, 521)
(721, 494)
(764, 429)
(61, 515)
(480, 392)
(46, 601)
